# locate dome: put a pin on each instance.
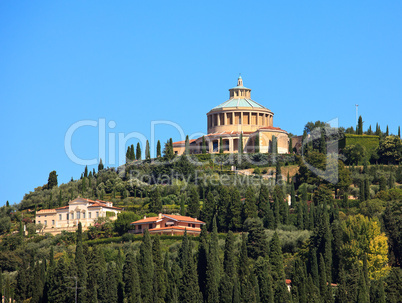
(235, 102)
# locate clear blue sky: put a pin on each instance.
(133, 62)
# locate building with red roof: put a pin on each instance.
(166, 224)
(81, 210)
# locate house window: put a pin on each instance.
(45, 222)
(38, 222)
(67, 217)
(78, 215)
(193, 225)
(89, 215)
(189, 225)
(150, 226)
(97, 214)
(72, 216)
(139, 227)
(52, 222)
(60, 217)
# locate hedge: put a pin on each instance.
(368, 141)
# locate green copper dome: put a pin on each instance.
(235, 102)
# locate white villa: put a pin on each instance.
(78, 210)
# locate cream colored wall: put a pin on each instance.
(253, 119)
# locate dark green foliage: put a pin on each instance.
(274, 146)
(392, 219)
(203, 145)
(265, 282)
(290, 150)
(138, 151)
(155, 204)
(257, 143)
(112, 283)
(222, 208)
(52, 180)
(276, 259)
(213, 270)
(220, 145)
(100, 165)
(362, 291)
(229, 264)
(235, 210)
(123, 221)
(250, 206)
(193, 209)
(147, 151)
(187, 146)
(131, 279)
(160, 276)
(202, 260)
(189, 290)
(146, 268)
(225, 289)
(208, 210)
(257, 244)
(393, 289)
(278, 173)
(240, 150)
(81, 265)
(158, 149)
(359, 129)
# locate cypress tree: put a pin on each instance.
(278, 173)
(265, 282)
(257, 143)
(323, 278)
(245, 286)
(387, 132)
(360, 126)
(146, 268)
(81, 265)
(187, 146)
(314, 267)
(52, 180)
(362, 291)
(290, 146)
(229, 265)
(155, 201)
(293, 195)
(132, 152)
(235, 210)
(182, 205)
(263, 201)
(128, 154)
(193, 209)
(211, 291)
(131, 279)
(208, 210)
(112, 283)
(203, 145)
(158, 149)
(300, 216)
(323, 143)
(189, 290)
(223, 203)
(100, 165)
(276, 259)
(147, 151)
(274, 147)
(341, 292)
(138, 151)
(299, 281)
(362, 191)
(202, 261)
(220, 145)
(399, 131)
(284, 211)
(257, 244)
(160, 277)
(240, 150)
(277, 217)
(250, 207)
(225, 289)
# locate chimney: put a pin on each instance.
(195, 219)
(145, 217)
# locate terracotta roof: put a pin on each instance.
(173, 217)
(176, 228)
(272, 128)
(46, 211)
(288, 281)
(183, 142)
(63, 207)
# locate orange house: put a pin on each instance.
(168, 225)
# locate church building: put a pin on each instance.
(239, 118)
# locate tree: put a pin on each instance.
(81, 265)
(257, 242)
(155, 204)
(220, 145)
(158, 149)
(360, 126)
(168, 150)
(250, 207)
(202, 261)
(257, 143)
(222, 208)
(147, 151)
(276, 258)
(131, 278)
(52, 180)
(193, 209)
(274, 147)
(138, 151)
(160, 276)
(290, 146)
(187, 146)
(235, 210)
(100, 165)
(203, 145)
(146, 268)
(208, 210)
(123, 221)
(278, 173)
(212, 274)
(229, 265)
(240, 150)
(362, 235)
(399, 132)
(263, 273)
(390, 150)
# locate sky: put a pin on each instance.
(81, 81)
